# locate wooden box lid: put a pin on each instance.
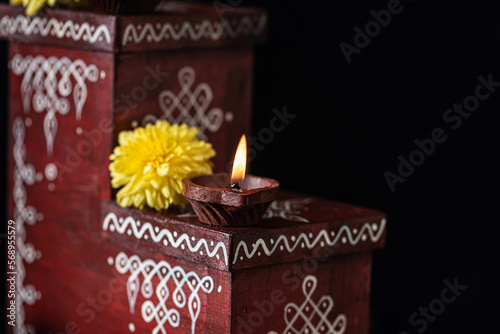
(294, 227)
(176, 25)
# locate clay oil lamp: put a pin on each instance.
(231, 200)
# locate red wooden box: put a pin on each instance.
(85, 265)
(114, 72)
(305, 268)
(76, 79)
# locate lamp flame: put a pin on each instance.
(240, 162)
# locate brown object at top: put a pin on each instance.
(216, 204)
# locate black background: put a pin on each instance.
(354, 120)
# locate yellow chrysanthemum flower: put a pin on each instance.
(33, 6)
(151, 162)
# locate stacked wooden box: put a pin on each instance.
(83, 264)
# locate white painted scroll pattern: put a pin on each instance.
(144, 230)
(41, 26)
(23, 214)
(307, 240)
(301, 319)
(47, 83)
(144, 275)
(190, 105)
(216, 30)
(288, 209)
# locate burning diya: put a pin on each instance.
(231, 200)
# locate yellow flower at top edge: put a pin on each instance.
(33, 6)
(150, 163)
